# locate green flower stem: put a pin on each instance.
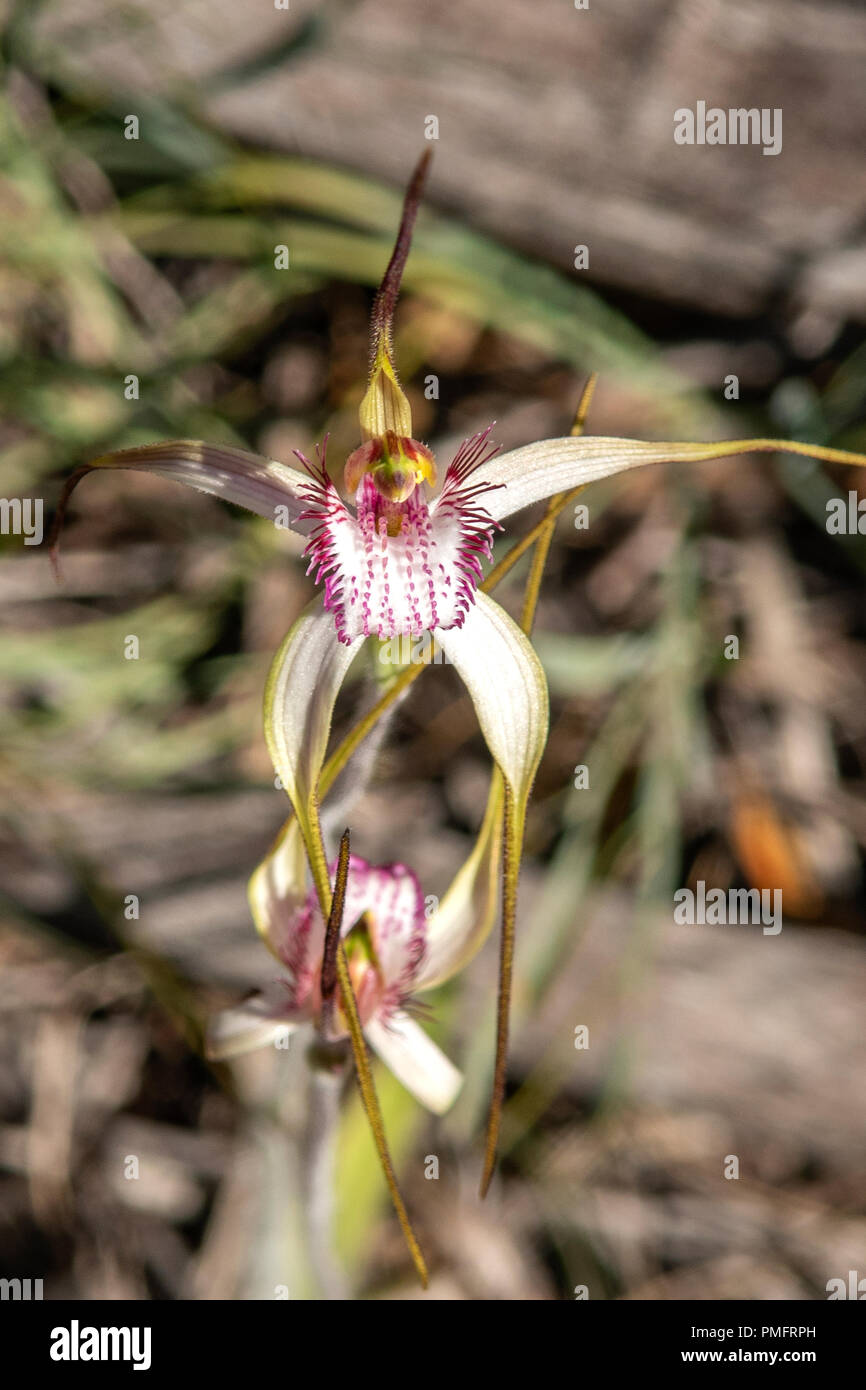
(327, 1068)
(312, 832)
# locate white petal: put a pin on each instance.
(505, 679)
(302, 687)
(540, 470)
(466, 914)
(415, 1060)
(248, 1026)
(259, 484)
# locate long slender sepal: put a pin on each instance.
(386, 296)
(385, 408)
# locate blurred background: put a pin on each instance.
(139, 300)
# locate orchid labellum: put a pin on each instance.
(393, 558)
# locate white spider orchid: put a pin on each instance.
(398, 562)
(394, 951)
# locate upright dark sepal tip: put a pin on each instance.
(386, 296)
(332, 930)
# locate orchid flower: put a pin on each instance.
(394, 951)
(393, 563)
(395, 560)
(354, 976)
